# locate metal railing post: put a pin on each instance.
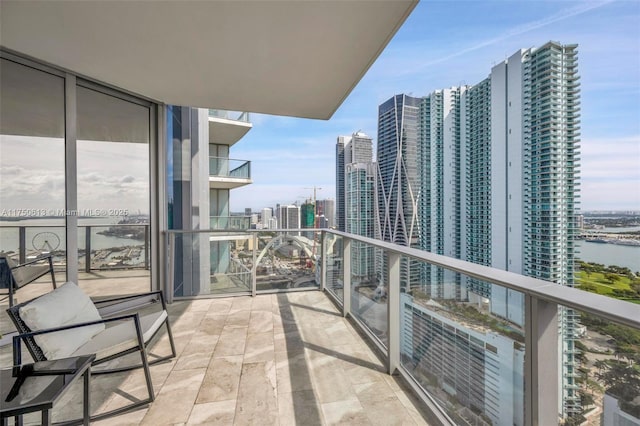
(22, 244)
(171, 268)
(393, 312)
(87, 249)
(146, 246)
(254, 270)
(346, 278)
(541, 365)
(323, 260)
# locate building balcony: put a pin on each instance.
(315, 328)
(228, 173)
(231, 223)
(227, 127)
(419, 314)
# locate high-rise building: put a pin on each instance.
(356, 196)
(361, 216)
(267, 214)
(289, 217)
(398, 179)
(340, 144)
(357, 148)
(326, 208)
(307, 215)
(398, 183)
(498, 183)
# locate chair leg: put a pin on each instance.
(170, 334)
(143, 356)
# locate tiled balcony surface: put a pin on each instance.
(284, 359)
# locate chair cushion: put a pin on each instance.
(66, 305)
(122, 336)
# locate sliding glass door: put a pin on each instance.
(75, 178)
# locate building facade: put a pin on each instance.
(498, 183)
(357, 148)
(289, 217)
(361, 216)
(398, 185)
(327, 209)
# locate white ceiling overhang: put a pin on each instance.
(227, 132)
(297, 58)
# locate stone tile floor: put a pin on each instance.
(278, 359)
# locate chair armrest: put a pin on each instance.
(17, 355)
(116, 305)
(37, 259)
(80, 324)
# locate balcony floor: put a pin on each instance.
(287, 358)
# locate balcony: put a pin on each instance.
(228, 173)
(419, 314)
(227, 127)
(272, 359)
(324, 328)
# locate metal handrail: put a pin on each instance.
(619, 311)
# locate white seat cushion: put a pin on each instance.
(122, 336)
(65, 305)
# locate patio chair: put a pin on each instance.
(66, 323)
(14, 276)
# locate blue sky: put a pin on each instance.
(447, 43)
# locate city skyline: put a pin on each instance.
(432, 51)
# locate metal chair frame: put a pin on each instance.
(111, 311)
(8, 280)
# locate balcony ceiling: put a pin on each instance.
(221, 182)
(285, 58)
(227, 132)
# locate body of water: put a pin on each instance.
(610, 254)
(53, 231)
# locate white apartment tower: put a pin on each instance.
(357, 148)
(289, 217)
(498, 183)
(361, 216)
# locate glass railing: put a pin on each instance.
(287, 260)
(478, 345)
(231, 223)
(230, 168)
(230, 115)
(100, 246)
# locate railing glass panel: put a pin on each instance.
(600, 380)
(121, 246)
(229, 167)
(287, 260)
(335, 271)
(462, 340)
(231, 223)
(210, 263)
(369, 289)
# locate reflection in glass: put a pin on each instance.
(32, 163)
(335, 271)
(287, 260)
(113, 189)
(467, 354)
